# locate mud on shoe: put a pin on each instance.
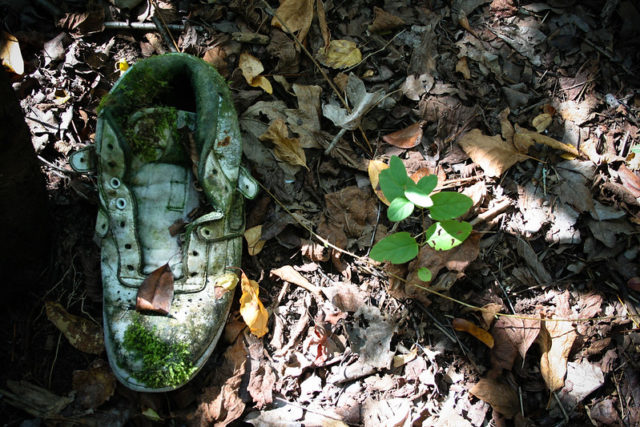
(171, 218)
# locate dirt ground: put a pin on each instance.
(529, 108)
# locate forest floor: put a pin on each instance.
(529, 108)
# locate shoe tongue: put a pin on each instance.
(160, 134)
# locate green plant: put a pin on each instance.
(405, 195)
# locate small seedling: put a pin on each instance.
(405, 195)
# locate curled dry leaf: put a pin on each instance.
(542, 121)
(251, 68)
(501, 396)
(294, 15)
(384, 21)
(339, 54)
(526, 138)
(492, 153)
(374, 169)
(251, 308)
(288, 274)
(254, 242)
(314, 251)
(464, 325)
(286, 149)
(408, 137)
(156, 291)
(95, 385)
(81, 333)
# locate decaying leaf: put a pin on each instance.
(10, 53)
(296, 15)
(82, 333)
(251, 68)
(95, 385)
(556, 339)
(526, 138)
(360, 100)
(251, 308)
(374, 169)
(305, 121)
(470, 328)
(339, 54)
(501, 396)
(492, 153)
(156, 291)
(384, 21)
(286, 149)
(220, 402)
(512, 336)
(408, 137)
(254, 242)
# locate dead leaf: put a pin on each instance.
(81, 333)
(286, 149)
(512, 336)
(305, 121)
(384, 21)
(314, 251)
(339, 54)
(386, 412)
(156, 291)
(541, 122)
(489, 313)
(374, 169)
(10, 53)
(288, 274)
(251, 308)
(491, 153)
(463, 68)
(556, 339)
(361, 101)
(464, 325)
(296, 15)
(217, 57)
(526, 138)
(630, 180)
(408, 137)
(254, 242)
(95, 385)
(220, 402)
(88, 22)
(322, 23)
(502, 397)
(262, 377)
(251, 68)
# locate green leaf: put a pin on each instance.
(393, 180)
(449, 205)
(419, 193)
(446, 235)
(424, 274)
(399, 209)
(396, 248)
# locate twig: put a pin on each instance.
(335, 140)
(564, 411)
(143, 26)
(164, 32)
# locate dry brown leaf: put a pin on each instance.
(217, 57)
(314, 251)
(339, 54)
(288, 274)
(88, 22)
(512, 336)
(374, 169)
(254, 242)
(10, 53)
(251, 308)
(464, 325)
(542, 121)
(502, 397)
(322, 22)
(156, 291)
(82, 333)
(489, 313)
(95, 385)
(506, 128)
(630, 179)
(492, 153)
(526, 138)
(296, 16)
(305, 121)
(463, 68)
(384, 21)
(286, 149)
(251, 68)
(556, 340)
(408, 137)
(220, 402)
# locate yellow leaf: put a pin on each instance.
(286, 149)
(10, 53)
(403, 359)
(296, 15)
(251, 68)
(375, 167)
(251, 309)
(227, 281)
(542, 139)
(470, 328)
(62, 96)
(542, 121)
(123, 65)
(463, 68)
(340, 54)
(254, 242)
(81, 333)
(492, 153)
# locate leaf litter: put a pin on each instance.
(552, 181)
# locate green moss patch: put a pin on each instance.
(163, 364)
